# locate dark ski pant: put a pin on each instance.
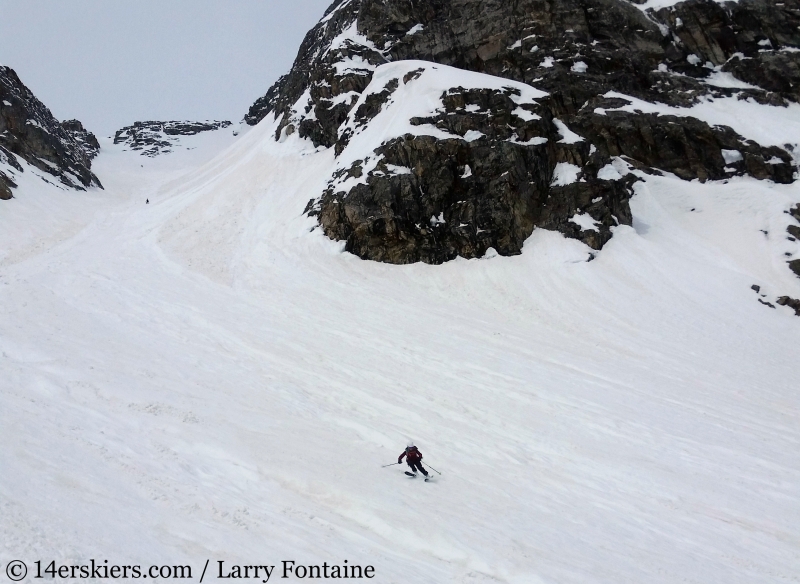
(417, 466)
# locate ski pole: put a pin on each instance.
(393, 464)
(433, 469)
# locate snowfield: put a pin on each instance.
(208, 377)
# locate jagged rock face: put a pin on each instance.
(540, 43)
(575, 52)
(794, 230)
(686, 147)
(83, 137)
(29, 131)
(751, 39)
(8, 164)
(266, 104)
(422, 195)
(154, 138)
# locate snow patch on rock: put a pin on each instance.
(565, 173)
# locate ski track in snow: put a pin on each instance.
(209, 377)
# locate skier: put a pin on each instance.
(147, 202)
(413, 458)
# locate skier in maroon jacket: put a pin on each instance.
(413, 458)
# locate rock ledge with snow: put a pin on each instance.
(154, 138)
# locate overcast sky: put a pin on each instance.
(109, 63)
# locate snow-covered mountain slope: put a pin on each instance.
(210, 377)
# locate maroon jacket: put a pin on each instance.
(412, 453)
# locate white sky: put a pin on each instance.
(109, 63)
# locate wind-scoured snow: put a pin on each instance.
(209, 377)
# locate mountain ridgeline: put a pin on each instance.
(154, 138)
(28, 131)
(491, 161)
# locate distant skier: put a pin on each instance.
(147, 202)
(413, 458)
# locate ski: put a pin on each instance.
(411, 474)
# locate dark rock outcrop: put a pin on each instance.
(540, 43)
(504, 171)
(263, 105)
(577, 51)
(791, 303)
(8, 161)
(30, 132)
(685, 146)
(794, 230)
(749, 39)
(83, 137)
(154, 138)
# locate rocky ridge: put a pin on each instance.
(154, 138)
(495, 169)
(28, 131)
(794, 234)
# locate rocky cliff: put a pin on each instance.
(28, 131)
(154, 138)
(445, 148)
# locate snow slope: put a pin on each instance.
(209, 377)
